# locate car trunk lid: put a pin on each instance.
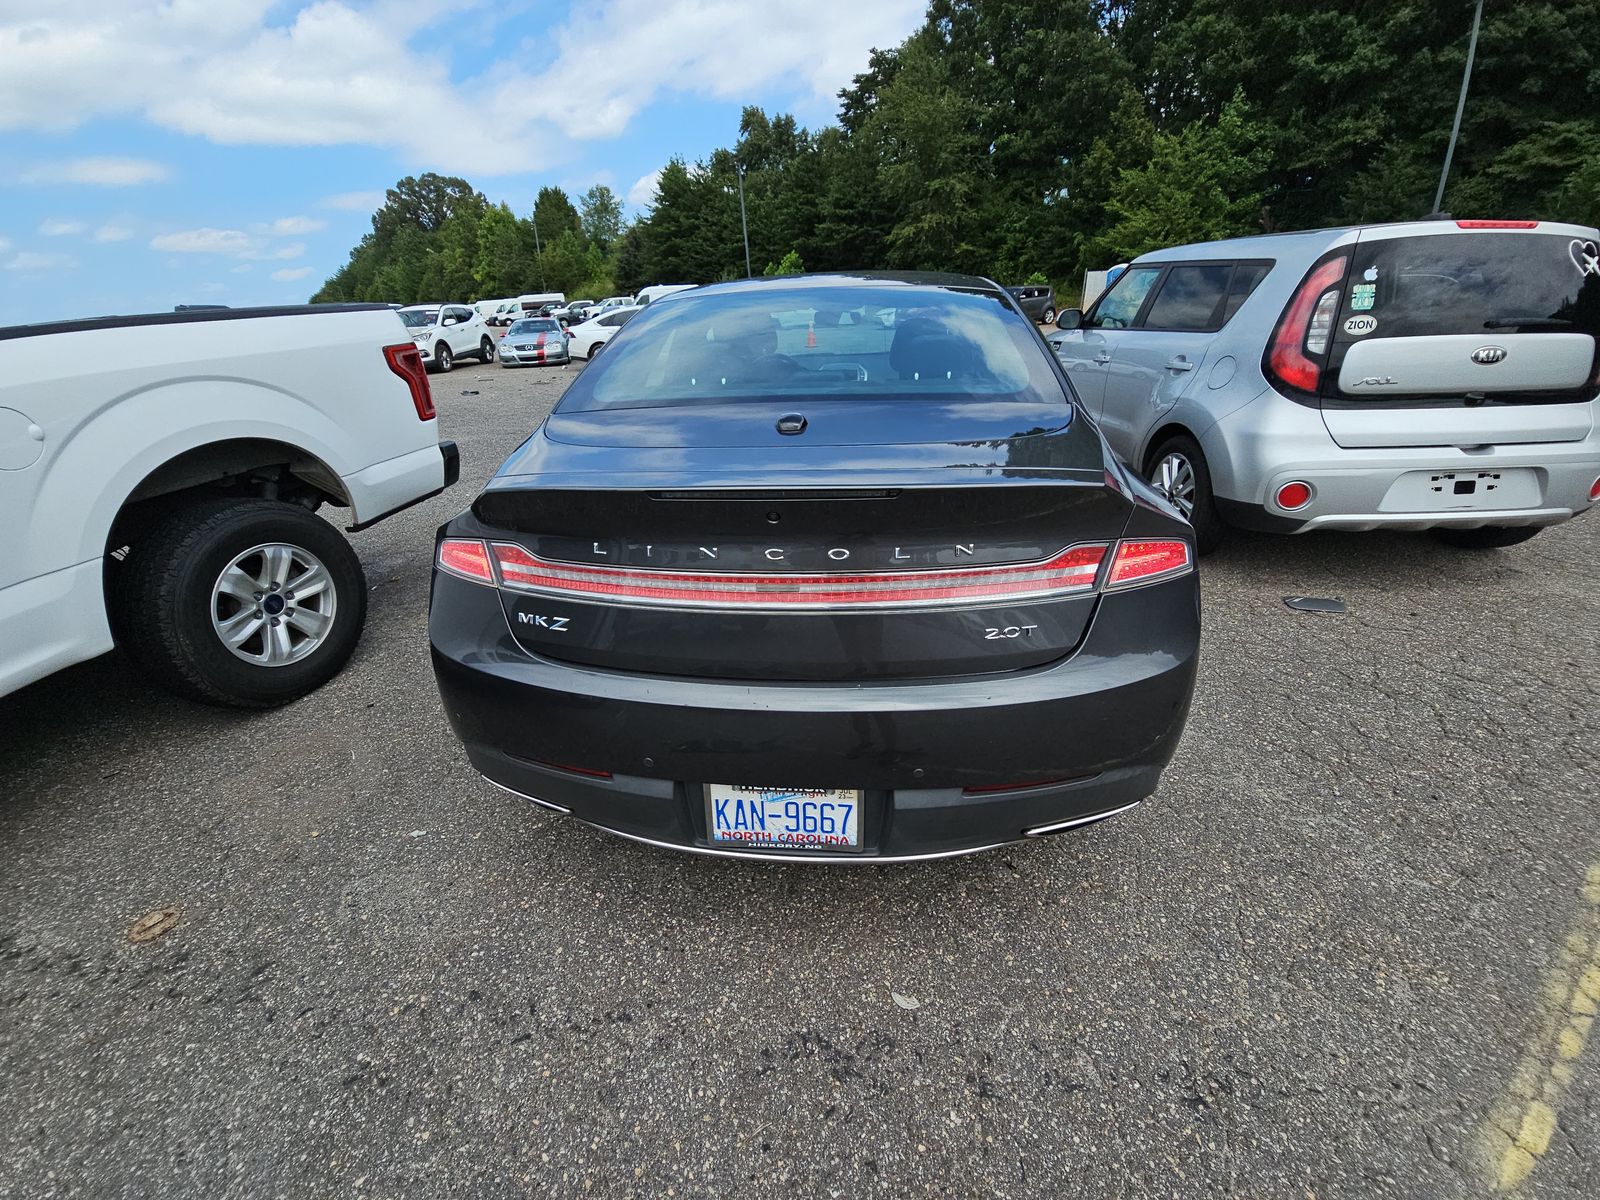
(1465, 336)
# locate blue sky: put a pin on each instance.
(155, 152)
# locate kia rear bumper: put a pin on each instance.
(945, 766)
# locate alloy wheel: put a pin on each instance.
(273, 604)
(1174, 479)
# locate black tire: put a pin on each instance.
(1487, 537)
(1049, 317)
(594, 350)
(1201, 505)
(166, 601)
(442, 358)
(486, 351)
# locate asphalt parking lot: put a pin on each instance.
(1343, 952)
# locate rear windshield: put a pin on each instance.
(1472, 283)
(877, 343)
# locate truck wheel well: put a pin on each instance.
(1159, 438)
(243, 467)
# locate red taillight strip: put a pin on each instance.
(1147, 561)
(1073, 570)
(1497, 224)
(467, 558)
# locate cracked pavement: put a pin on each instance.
(1307, 966)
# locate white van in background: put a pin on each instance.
(657, 290)
(534, 301)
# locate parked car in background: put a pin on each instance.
(573, 312)
(507, 312)
(534, 341)
(657, 291)
(160, 474)
(487, 309)
(446, 332)
(868, 589)
(1431, 375)
(614, 302)
(587, 339)
(536, 303)
(1038, 301)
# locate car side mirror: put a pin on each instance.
(1071, 318)
(448, 321)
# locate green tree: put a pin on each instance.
(1200, 184)
(789, 265)
(601, 217)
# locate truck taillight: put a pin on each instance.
(406, 362)
(1306, 328)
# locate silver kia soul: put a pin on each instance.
(1433, 375)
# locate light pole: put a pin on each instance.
(1461, 103)
(744, 222)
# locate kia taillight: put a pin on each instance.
(1305, 328)
(467, 558)
(1147, 560)
(1073, 570)
(406, 362)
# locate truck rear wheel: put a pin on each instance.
(247, 603)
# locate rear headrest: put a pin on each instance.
(924, 349)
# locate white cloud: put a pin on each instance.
(5, 244)
(643, 193)
(28, 260)
(56, 227)
(354, 201)
(96, 172)
(240, 269)
(112, 232)
(290, 274)
(285, 226)
(205, 241)
(334, 73)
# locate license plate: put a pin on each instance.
(767, 818)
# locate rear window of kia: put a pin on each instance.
(1500, 282)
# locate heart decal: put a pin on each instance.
(1585, 256)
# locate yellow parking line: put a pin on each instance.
(1520, 1127)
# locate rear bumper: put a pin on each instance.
(1262, 447)
(531, 358)
(1101, 724)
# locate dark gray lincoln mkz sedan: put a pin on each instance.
(824, 567)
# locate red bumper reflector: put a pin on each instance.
(570, 769)
(1294, 495)
(1594, 490)
(406, 362)
(1143, 561)
(1073, 570)
(466, 558)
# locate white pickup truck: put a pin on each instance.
(158, 480)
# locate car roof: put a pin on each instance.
(932, 280)
(1271, 245)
